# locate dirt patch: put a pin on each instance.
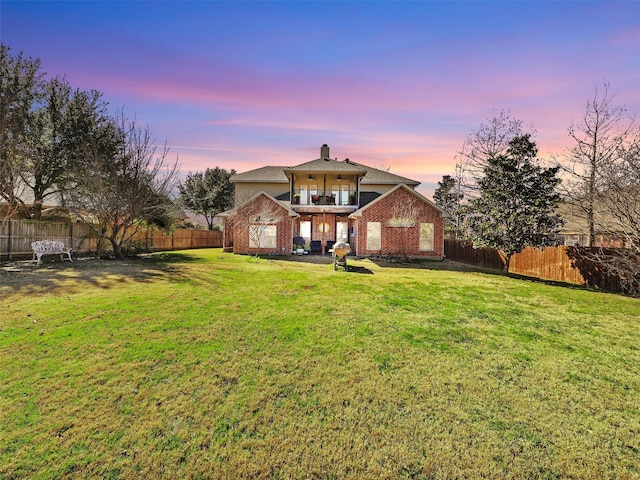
(26, 276)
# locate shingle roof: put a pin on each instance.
(328, 165)
(377, 176)
(371, 176)
(234, 211)
(368, 197)
(263, 175)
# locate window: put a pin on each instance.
(313, 194)
(344, 194)
(335, 193)
(262, 236)
(342, 232)
(373, 235)
(426, 237)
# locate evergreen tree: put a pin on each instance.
(517, 200)
(208, 193)
(448, 196)
(61, 131)
(20, 90)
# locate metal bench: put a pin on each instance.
(50, 247)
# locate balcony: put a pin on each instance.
(334, 202)
(314, 197)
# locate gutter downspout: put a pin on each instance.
(353, 240)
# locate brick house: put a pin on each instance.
(279, 210)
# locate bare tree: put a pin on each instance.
(125, 181)
(258, 217)
(603, 187)
(264, 219)
(616, 215)
(599, 138)
(487, 142)
(404, 215)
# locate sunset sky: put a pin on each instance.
(386, 83)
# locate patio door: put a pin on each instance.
(305, 232)
(342, 232)
(304, 195)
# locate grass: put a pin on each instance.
(208, 365)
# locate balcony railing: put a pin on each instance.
(345, 197)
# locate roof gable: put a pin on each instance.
(233, 211)
(359, 212)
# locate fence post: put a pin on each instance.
(9, 236)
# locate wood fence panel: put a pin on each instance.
(560, 264)
(16, 237)
(214, 239)
(526, 262)
(161, 241)
(201, 238)
(182, 239)
(5, 231)
(464, 252)
(84, 239)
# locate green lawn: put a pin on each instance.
(201, 364)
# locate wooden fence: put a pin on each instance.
(16, 237)
(560, 264)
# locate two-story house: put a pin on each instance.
(280, 210)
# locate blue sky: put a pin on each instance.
(395, 84)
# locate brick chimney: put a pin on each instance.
(324, 151)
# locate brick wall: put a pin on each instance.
(396, 241)
(330, 218)
(265, 206)
(401, 241)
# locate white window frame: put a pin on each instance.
(267, 236)
(344, 194)
(342, 231)
(427, 237)
(374, 236)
